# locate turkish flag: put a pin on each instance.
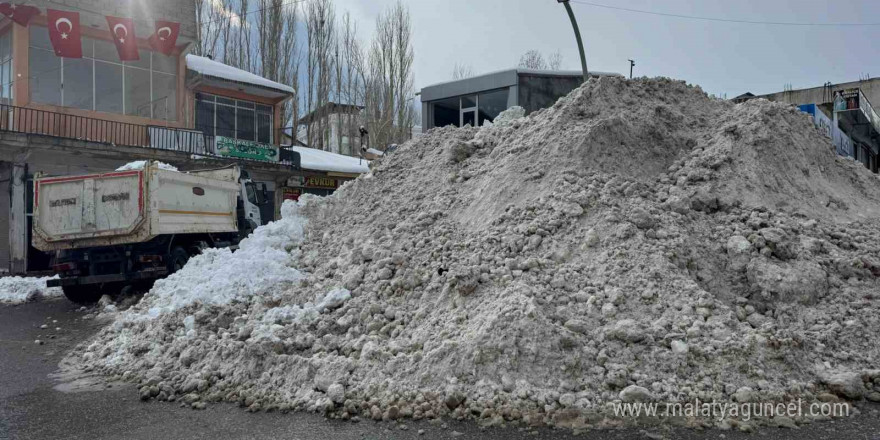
(20, 14)
(165, 38)
(122, 30)
(64, 33)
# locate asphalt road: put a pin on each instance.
(31, 406)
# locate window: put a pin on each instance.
(109, 98)
(469, 109)
(245, 125)
(99, 81)
(78, 71)
(6, 67)
(491, 104)
(45, 77)
(234, 118)
(137, 100)
(447, 112)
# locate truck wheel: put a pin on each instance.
(179, 257)
(87, 294)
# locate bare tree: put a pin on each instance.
(211, 25)
(354, 81)
(554, 61)
(320, 35)
(533, 60)
(389, 110)
(462, 71)
(280, 54)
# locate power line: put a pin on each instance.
(725, 20)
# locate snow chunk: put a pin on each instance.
(506, 117)
(209, 67)
(263, 263)
(312, 159)
(276, 317)
(141, 164)
(17, 290)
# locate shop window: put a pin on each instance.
(446, 112)
(491, 104)
(468, 101)
(471, 110)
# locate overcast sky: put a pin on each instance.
(730, 58)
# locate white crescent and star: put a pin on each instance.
(163, 29)
(124, 32)
(58, 27)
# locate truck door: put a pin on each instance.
(251, 203)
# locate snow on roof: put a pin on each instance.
(209, 67)
(312, 159)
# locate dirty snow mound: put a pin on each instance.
(17, 290)
(636, 241)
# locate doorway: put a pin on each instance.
(469, 110)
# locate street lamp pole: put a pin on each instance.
(577, 34)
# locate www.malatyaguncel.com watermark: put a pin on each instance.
(732, 410)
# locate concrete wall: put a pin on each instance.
(820, 95)
(144, 12)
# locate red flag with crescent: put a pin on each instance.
(20, 14)
(164, 40)
(122, 30)
(64, 33)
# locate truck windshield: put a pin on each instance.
(254, 196)
(251, 193)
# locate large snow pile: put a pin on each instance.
(636, 241)
(17, 290)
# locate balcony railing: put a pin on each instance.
(41, 122)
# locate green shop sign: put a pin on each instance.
(246, 149)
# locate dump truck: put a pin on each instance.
(128, 227)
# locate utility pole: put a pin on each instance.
(577, 34)
(631, 65)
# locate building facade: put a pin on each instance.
(92, 114)
(473, 101)
(332, 127)
(844, 113)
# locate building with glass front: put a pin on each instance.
(472, 101)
